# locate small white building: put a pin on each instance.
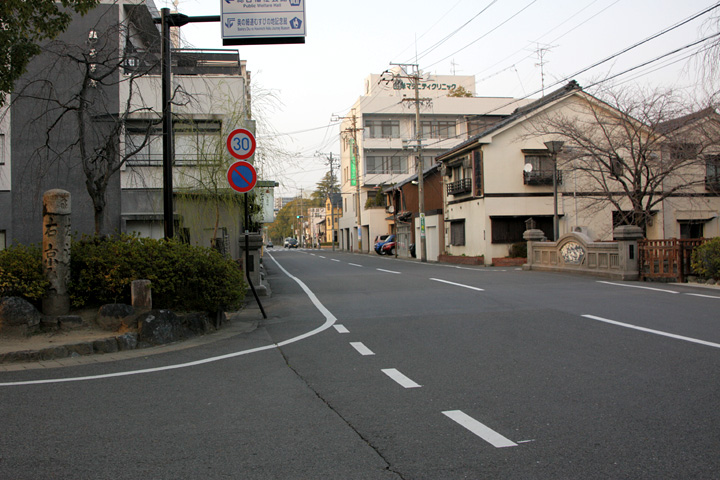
(509, 169)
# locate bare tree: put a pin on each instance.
(84, 94)
(632, 150)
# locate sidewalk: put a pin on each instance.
(93, 345)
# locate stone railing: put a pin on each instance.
(577, 253)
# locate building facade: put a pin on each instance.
(378, 147)
(503, 178)
(119, 46)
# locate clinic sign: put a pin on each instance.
(255, 22)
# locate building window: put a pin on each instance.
(511, 229)
(438, 129)
(382, 128)
(385, 164)
(539, 170)
(193, 142)
(683, 151)
(712, 173)
(2, 149)
(3, 244)
(457, 233)
(691, 229)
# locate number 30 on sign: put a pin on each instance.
(241, 144)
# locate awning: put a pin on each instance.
(695, 215)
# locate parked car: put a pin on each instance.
(379, 240)
(385, 245)
(388, 247)
(291, 243)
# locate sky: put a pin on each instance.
(301, 90)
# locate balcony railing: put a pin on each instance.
(459, 186)
(541, 177)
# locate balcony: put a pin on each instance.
(541, 177)
(459, 186)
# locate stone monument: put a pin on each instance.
(56, 251)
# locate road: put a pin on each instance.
(370, 367)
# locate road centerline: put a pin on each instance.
(387, 271)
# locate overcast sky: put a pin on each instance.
(497, 41)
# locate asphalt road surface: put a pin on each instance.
(370, 367)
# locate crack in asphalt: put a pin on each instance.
(388, 465)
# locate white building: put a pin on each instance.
(378, 134)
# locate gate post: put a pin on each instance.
(627, 237)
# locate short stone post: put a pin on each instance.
(252, 268)
(627, 237)
(56, 251)
(141, 295)
(531, 236)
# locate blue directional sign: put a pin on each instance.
(246, 22)
(242, 176)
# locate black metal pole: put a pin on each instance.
(247, 255)
(168, 144)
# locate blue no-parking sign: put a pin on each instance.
(242, 177)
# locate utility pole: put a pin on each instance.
(355, 162)
(331, 162)
(415, 78)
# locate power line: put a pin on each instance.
(485, 34)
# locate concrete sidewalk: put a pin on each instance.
(93, 345)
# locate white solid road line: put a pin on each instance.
(656, 332)
(703, 296)
(637, 286)
(482, 431)
(400, 378)
(457, 284)
(330, 320)
(361, 348)
(341, 328)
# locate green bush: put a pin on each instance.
(184, 277)
(518, 250)
(21, 273)
(706, 259)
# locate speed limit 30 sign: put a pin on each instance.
(241, 144)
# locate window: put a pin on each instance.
(382, 128)
(438, 129)
(712, 173)
(385, 164)
(193, 140)
(539, 169)
(691, 229)
(3, 245)
(511, 229)
(683, 151)
(2, 149)
(457, 233)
